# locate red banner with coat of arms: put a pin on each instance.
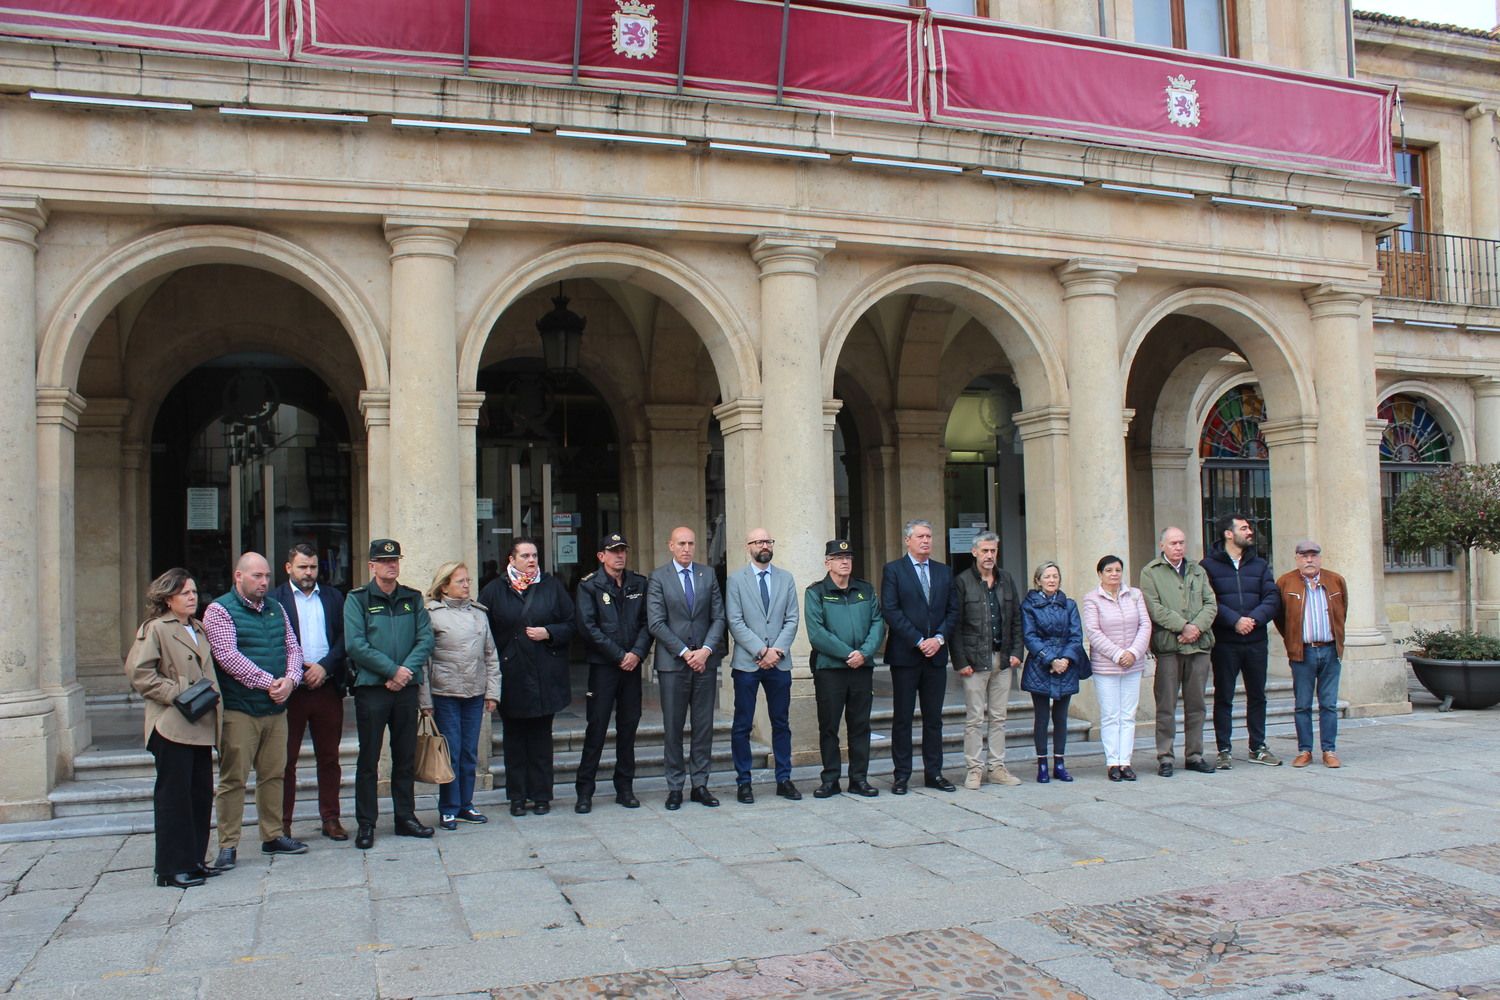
(257, 28)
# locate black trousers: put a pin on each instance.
(844, 693)
(377, 709)
(181, 803)
(928, 684)
(528, 758)
(617, 692)
(1230, 660)
(1057, 715)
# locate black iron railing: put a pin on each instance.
(1434, 267)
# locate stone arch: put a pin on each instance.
(100, 289)
(1186, 397)
(1463, 444)
(1038, 368)
(707, 310)
(1284, 377)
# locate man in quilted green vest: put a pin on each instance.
(259, 664)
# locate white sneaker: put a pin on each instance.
(1000, 776)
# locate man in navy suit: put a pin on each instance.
(685, 615)
(317, 616)
(920, 608)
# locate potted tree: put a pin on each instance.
(1458, 507)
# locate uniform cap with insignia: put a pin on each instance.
(385, 548)
(614, 540)
(838, 547)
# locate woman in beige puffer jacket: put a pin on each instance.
(461, 683)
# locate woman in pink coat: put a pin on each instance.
(1118, 630)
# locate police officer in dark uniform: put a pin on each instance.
(611, 604)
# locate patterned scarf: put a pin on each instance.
(519, 583)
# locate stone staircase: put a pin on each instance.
(119, 781)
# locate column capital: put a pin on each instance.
(674, 416)
(790, 253)
(1479, 111)
(1043, 421)
(22, 218)
(1374, 431)
(831, 408)
(910, 422)
(1485, 386)
(1127, 417)
(58, 405)
(375, 404)
(469, 405)
(742, 414)
(1087, 276)
(106, 413)
(1335, 298)
(1289, 431)
(1171, 459)
(424, 236)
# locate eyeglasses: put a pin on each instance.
(761, 541)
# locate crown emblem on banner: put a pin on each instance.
(634, 33)
(1183, 108)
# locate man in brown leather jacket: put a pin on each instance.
(1314, 603)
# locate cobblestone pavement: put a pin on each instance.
(1381, 879)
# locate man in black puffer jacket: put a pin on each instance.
(1248, 600)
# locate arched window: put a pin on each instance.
(1414, 444)
(1236, 465)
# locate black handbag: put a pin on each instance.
(197, 700)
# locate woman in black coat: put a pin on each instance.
(531, 616)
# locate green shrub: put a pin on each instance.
(1451, 644)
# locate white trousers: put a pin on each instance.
(1119, 694)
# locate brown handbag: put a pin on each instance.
(434, 766)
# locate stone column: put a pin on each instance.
(1096, 393)
(1174, 492)
(1487, 450)
(921, 460)
(132, 531)
(884, 510)
(425, 511)
(469, 405)
(676, 478)
(57, 413)
(376, 407)
(29, 741)
(103, 519)
(831, 408)
(1347, 488)
(635, 515)
(1484, 174)
(1044, 447)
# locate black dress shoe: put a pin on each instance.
(182, 880)
(364, 837)
(787, 790)
(628, 800)
(541, 808)
(518, 807)
(1201, 765)
(1165, 768)
(743, 794)
(584, 805)
(1127, 773)
(941, 783)
(827, 789)
(674, 799)
(226, 859)
(207, 871)
(862, 787)
(412, 828)
(283, 845)
(898, 787)
(1114, 772)
(703, 796)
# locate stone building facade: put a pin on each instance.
(217, 330)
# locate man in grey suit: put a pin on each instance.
(763, 617)
(685, 615)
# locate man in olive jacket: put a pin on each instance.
(844, 627)
(985, 653)
(388, 639)
(1182, 606)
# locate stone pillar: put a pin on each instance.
(29, 739)
(883, 511)
(469, 405)
(1096, 393)
(1487, 450)
(1484, 174)
(57, 413)
(425, 512)
(133, 545)
(676, 479)
(105, 572)
(831, 408)
(921, 460)
(1347, 488)
(635, 513)
(1175, 496)
(376, 408)
(1044, 446)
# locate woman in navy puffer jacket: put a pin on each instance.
(1055, 663)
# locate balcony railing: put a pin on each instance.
(1434, 267)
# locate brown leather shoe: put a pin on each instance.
(334, 830)
(1302, 759)
(1331, 759)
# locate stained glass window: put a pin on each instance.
(1236, 475)
(1414, 444)
(1232, 429)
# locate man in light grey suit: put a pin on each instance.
(685, 615)
(763, 616)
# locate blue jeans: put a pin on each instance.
(458, 719)
(778, 685)
(1319, 668)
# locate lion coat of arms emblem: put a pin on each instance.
(635, 29)
(1182, 102)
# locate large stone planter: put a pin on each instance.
(1459, 683)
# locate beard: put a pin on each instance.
(762, 556)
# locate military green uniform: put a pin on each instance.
(838, 623)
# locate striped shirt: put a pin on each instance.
(223, 639)
(1315, 624)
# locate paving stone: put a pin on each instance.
(345, 925)
(1347, 984)
(504, 904)
(120, 900)
(1450, 970)
(352, 977)
(419, 921)
(93, 957)
(697, 887)
(496, 964)
(614, 903)
(792, 880)
(65, 870)
(1095, 977)
(1027, 940)
(210, 938)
